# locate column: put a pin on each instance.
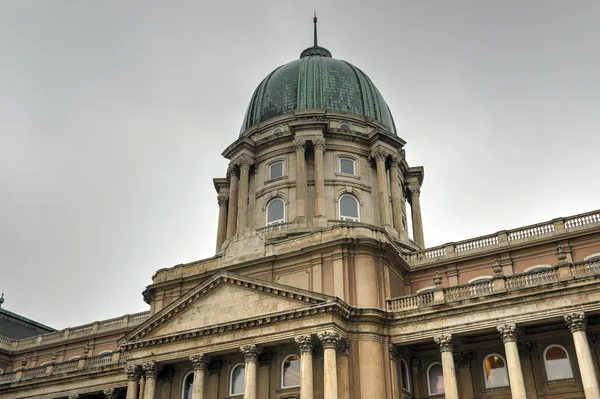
(508, 332)
(222, 227)
(110, 393)
(306, 366)
(200, 363)
(417, 221)
(319, 148)
(380, 156)
(446, 345)
(330, 340)
(250, 353)
(300, 181)
(577, 323)
(394, 371)
(133, 376)
(151, 371)
(244, 163)
(264, 371)
(343, 370)
(396, 195)
(232, 211)
(142, 387)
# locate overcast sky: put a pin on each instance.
(113, 116)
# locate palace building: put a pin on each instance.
(317, 291)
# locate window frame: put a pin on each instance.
(409, 382)
(235, 366)
(272, 163)
(276, 130)
(185, 377)
(76, 357)
(348, 218)
(345, 123)
(505, 368)
(269, 203)
(281, 371)
(429, 381)
(537, 268)
(106, 352)
(347, 158)
(546, 364)
(592, 258)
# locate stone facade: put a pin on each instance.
(319, 305)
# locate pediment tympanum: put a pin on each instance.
(223, 299)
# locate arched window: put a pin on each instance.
(236, 379)
(537, 268)
(347, 165)
(277, 130)
(104, 353)
(345, 126)
(435, 379)
(426, 290)
(349, 209)
(290, 371)
(187, 386)
(404, 374)
(275, 211)
(275, 169)
(75, 358)
(592, 258)
(1, 371)
(558, 365)
(496, 374)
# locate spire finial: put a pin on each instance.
(315, 22)
(1, 299)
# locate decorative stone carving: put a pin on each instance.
(395, 161)
(109, 393)
(251, 353)
(329, 339)
(393, 352)
(133, 372)
(344, 348)
(244, 161)
(222, 200)
(73, 396)
(414, 189)
(151, 369)
(54, 356)
(560, 254)
(305, 343)
(445, 342)
(24, 362)
(508, 332)
(437, 280)
(379, 154)
(319, 144)
(231, 169)
(497, 268)
(576, 321)
(463, 358)
(200, 361)
(299, 144)
(214, 368)
(265, 359)
(86, 350)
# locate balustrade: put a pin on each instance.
(101, 360)
(585, 269)
(34, 372)
(65, 367)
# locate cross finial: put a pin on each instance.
(315, 22)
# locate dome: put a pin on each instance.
(317, 80)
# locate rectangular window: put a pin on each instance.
(347, 166)
(276, 170)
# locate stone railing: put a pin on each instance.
(75, 332)
(505, 238)
(34, 372)
(275, 227)
(497, 285)
(100, 360)
(7, 378)
(65, 367)
(349, 223)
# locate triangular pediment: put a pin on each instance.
(223, 299)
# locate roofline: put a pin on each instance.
(25, 319)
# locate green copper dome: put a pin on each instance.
(317, 81)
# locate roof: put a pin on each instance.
(15, 326)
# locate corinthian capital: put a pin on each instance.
(305, 343)
(508, 332)
(232, 169)
(222, 200)
(379, 154)
(133, 372)
(299, 144)
(244, 161)
(576, 321)
(445, 342)
(395, 161)
(319, 144)
(329, 339)
(414, 189)
(251, 353)
(73, 396)
(151, 369)
(200, 361)
(110, 393)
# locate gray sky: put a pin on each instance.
(113, 115)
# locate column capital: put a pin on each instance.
(379, 154)
(299, 144)
(133, 372)
(222, 200)
(200, 361)
(329, 339)
(445, 342)
(393, 352)
(265, 359)
(344, 348)
(214, 368)
(395, 161)
(414, 189)
(73, 396)
(151, 369)
(576, 321)
(463, 358)
(251, 353)
(244, 161)
(319, 144)
(231, 169)
(508, 332)
(109, 393)
(305, 343)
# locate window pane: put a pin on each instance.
(188, 386)
(291, 371)
(495, 372)
(237, 380)
(557, 364)
(347, 166)
(348, 207)
(436, 379)
(275, 211)
(276, 170)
